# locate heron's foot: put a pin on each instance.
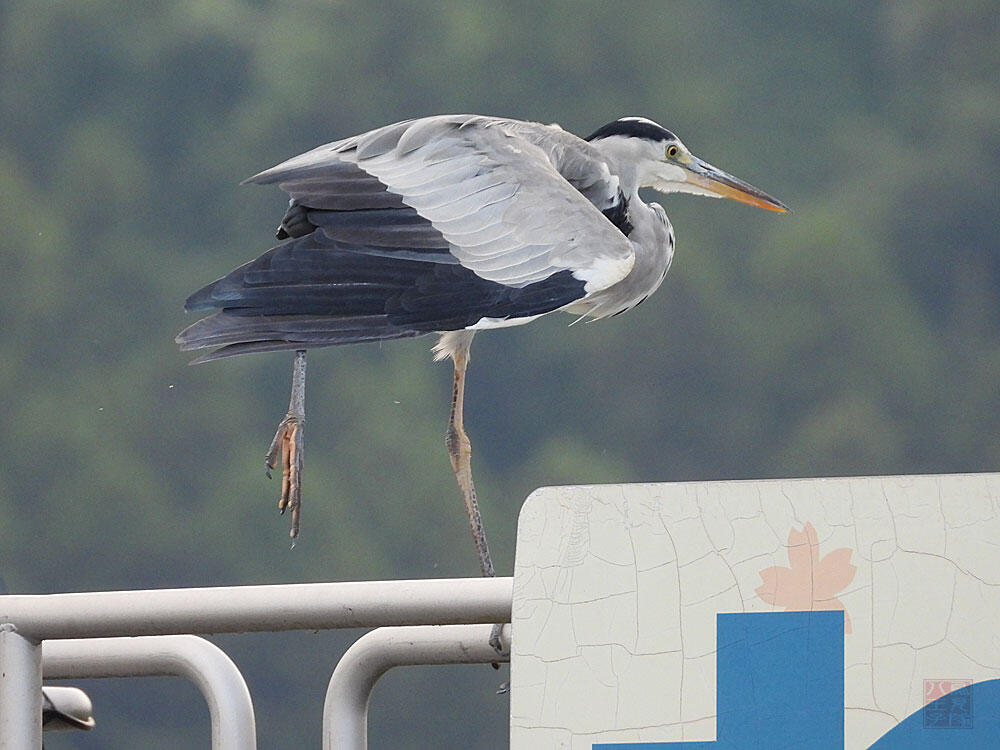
(496, 638)
(289, 442)
(496, 642)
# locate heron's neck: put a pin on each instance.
(625, 160)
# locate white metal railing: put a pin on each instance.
(187, 656)
(65, 709)
(345, 711)
(28, 620)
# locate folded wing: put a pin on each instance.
(426, 225)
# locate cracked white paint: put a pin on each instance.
(617, 587)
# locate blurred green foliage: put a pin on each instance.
(859, 334)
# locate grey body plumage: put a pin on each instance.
(446, 223)
(452, 224)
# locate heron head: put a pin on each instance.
(659, 160)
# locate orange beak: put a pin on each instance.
(714, 180)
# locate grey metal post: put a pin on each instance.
(188, 656)
(345, 710)
(20, 691)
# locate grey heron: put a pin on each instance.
(451, 225)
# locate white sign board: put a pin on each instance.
(811, 612)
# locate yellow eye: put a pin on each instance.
(671, 151)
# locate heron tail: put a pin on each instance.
(246, 334)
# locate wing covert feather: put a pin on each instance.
(515, 202)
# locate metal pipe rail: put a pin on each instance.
(27, 620)
(345, 710)
(245, 609)
(187, 656)
(20, 691)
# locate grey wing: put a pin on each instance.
(513, 202)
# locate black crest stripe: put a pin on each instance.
(633, 127)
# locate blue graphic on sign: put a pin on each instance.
(948, 722)
(952, 711)
(780, 684)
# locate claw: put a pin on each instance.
(495, 641)
(495, 638)
(288, 442)
(276, 447)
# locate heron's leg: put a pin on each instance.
(289, 440)
(460, 452)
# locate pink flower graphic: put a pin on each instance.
(810, 582)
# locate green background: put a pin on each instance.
(859, 334)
